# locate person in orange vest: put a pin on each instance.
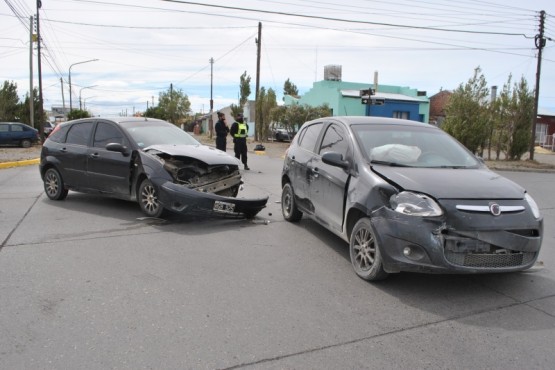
(239, 132)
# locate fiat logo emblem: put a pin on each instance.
(495, 209)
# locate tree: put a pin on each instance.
(78, 113)
(291, 117)
(155, 112)
(265, 104)
(289, 88)
(244, 90)
(9, 102)
(23, 111)
(517, 108)
(467, 115)
(174, 104)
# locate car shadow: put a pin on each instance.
(465, 298)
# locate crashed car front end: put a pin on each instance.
(198, 181)
(467, 236)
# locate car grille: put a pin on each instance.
(490, 260)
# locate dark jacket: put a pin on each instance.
(221, 129)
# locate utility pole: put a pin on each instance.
(211, 120)
(171, 103)
(31, 92)
(41, 109)
(257, 120)
(63, 99)
(540, 44)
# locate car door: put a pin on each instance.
(108, 171)
(328, 183)
(5, 135)
(72, 154)
(300, 156)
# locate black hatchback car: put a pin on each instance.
(406, 196)
(146, 160)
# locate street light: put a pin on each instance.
(81, 89)
(85, 101)
(86, 61)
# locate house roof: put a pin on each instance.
(389, 96)
(546, 112)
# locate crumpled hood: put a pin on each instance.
(204, 153)
(448, 183)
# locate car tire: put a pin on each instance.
(54, 185)
(148, 200)
(25, 143)
(288, 206)
(366, 257)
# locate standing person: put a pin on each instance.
(221, 132)
(239, 131)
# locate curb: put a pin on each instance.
(26, 162)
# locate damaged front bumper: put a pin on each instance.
(181, 199)
(456, 243)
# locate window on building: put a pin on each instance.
(401, 114)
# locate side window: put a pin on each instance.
(4, 128)
(17, 128)
(335, 140)
(105, 134)
(59, 135)
(79, 133)
(309, 136)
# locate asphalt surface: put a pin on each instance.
(88, 283)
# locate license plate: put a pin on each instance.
(224, 207)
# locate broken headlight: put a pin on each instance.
(414, 204)
(533, 205)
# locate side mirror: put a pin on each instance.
(335, 159)
(117, 147)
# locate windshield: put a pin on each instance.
(147, 133)
(408, 146)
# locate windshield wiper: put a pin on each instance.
(391, 164)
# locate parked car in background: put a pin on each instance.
(146, 160)
(406, 196)
(16, 133)
(48, 127)
(281, 134)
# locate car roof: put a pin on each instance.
(117, 120)
(369, 120)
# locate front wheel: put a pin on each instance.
(25, 143)
(54, 185)
(365, 253)
(148, 200)
(288, 206)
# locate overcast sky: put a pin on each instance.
(143, 46)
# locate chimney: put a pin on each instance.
(376, 81)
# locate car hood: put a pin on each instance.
(206, 154)
(447, 183)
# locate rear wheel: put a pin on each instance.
(288, 206)
(54, 185)
(365, 253)
(148, 200)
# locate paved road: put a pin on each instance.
(87, 283)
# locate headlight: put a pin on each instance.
(533, 205)
(414, 204)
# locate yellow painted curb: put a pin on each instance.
(19, 163)
(260, 152)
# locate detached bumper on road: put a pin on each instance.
(180, 199)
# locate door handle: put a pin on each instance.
(94, 155)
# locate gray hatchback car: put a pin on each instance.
(407, 196)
